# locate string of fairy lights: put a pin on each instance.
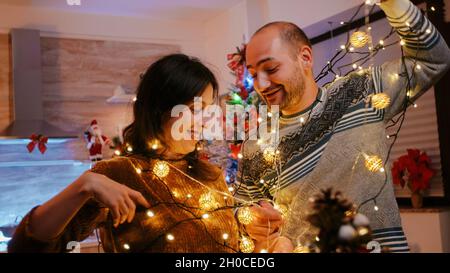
(208, 201)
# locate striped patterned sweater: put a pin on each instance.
(323, 146)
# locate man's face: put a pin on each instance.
(278, 74)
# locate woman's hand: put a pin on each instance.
(120, 199)
(266, 221)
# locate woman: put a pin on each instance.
(154, 199)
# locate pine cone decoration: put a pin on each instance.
(341, 229)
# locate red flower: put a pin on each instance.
(413, 170)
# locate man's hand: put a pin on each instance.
(266, 221)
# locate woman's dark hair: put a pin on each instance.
(172, 80)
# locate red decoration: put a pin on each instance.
(95, 141)
(413, 170)
(38, 140)
(235, 150)
(236, 64)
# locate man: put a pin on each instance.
(327, 133)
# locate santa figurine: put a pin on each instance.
(95, 141)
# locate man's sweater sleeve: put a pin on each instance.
(427, 56)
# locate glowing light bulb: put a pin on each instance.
(240, 156)
(354, 66)
(245, 215)
(381, 42)
(117, 152)
(269, 114)
(418, 67)
(205, 216)
(170, 237)
(415, 105)
(246, 245)
(302, 120)
(134, 99)
(207, 201)
(363, 231)
(126, 246)
(317, 239)
(359, 39)
(230, 188)
(189, 195)
(139, 171)
(342, 46)
(259, 141)
(269, 154)
(283, 209)
(263, 251)
(161, 169)
(428, 31)
(154, 144)
(352, 49)
(150, 213)
(376, 208)
(225, 236)
(402, 43)
(373, 163)
(433, 8)
(260, 120)
(129, 149)
(261, 181)
(380, 100)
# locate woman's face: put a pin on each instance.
(183, 147)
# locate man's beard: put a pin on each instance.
(294, 90)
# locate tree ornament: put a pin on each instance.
(161, 169)
(381, 101)
(359, 39)
(245, 215)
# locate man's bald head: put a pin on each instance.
(289, 33)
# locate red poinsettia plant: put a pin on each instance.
(413, 170)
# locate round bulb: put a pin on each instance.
(380, 101)
(207, 202)
(269, 154)
(126, 246)
(225, 236)
(373, 163)
(161, 169)
(150, 213)
(245, 215)
(170, 237)
(247, 245)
